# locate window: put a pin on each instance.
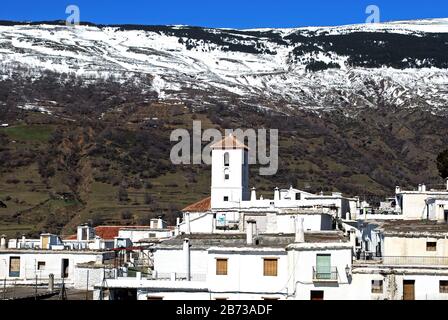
(270, 267)
(443, 286)
(14, 266)
(323, 266)
(40, 265)
(270, 298)
(226, 174)
(221, 298)
(431, 246)
(226, 159)
(226, 198)
(377, 286)
(221, 267)
(298, 196)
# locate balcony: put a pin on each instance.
(415, 261)
(327, 275)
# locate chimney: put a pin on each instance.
(253, 194)
(177, 221)
(419, 187)
(186, 249)
(250, 232)
(423, 188)
(159, 223)
(397, 189)
(97, 243)
(51, 282)
(352, 235)
(23, 241)
(187, 223)
(300, 234)
(276, 194)
(3, 242)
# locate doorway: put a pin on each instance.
(65, 265)
(408, 289)
(317, 295)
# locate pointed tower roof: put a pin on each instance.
(229, 142)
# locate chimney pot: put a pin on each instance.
(300, 234)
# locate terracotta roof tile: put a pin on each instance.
(200, 206)
(229, 142)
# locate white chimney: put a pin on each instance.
(3, 242)
(187, 223)
(177, 221)
(300, 234)
(397, 189)
(186, 249)
(419, 187)
(159, 223)
(23, 241)
(423, 188)
(276, 194)
(97, 243)
(250, 232)
(253, 195)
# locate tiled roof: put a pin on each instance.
(229, 142)
(200, 206)
(107, 232)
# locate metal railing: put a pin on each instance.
(179, 276)
(325, 274)
(415, 260)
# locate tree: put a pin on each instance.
(122, 193)
(442, 163)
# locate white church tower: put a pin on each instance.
(230, 173)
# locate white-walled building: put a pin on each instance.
(231, 203)
(423, 203)
(244, 266)
(23, 266)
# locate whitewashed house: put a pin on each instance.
(422, 203)
(243, 266)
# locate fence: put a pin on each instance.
(331, 274)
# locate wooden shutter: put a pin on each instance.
(221, 267)
(14, 266)
(323, 266)
(270, 267)
(408, 290)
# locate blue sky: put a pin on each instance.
(227, 13)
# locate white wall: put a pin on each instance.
(408, 246)
(53, 264)
(245, 272)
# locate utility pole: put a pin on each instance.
(87, 287)
(35, 289)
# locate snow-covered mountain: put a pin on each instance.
(399, 64)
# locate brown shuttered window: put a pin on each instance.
(221, 267)
(270, 267)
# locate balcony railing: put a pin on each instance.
(325, 275)
(415, 260)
